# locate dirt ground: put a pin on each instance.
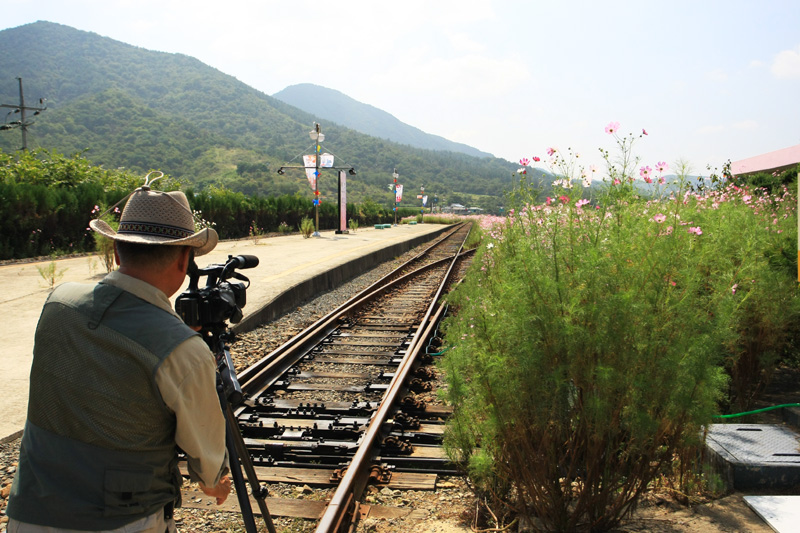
(451, 508)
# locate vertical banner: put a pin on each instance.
(326, 160)
(310, 162)
(424, 200)
(398, 193)
(342, 202)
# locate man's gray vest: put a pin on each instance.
(98, 450)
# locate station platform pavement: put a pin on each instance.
(291, 269)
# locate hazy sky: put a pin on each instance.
(709, 80)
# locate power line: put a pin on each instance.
(22, 123)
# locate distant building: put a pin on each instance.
(776, 161)
(458, 209)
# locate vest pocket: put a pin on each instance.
(123, 490)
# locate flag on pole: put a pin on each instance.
(326, 160)
(424, 200)
(310, 162)
(398, 193)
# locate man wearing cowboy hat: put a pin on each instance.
(118, 383)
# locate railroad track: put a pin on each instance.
(338, 404)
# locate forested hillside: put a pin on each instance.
(329, 104)
(130, 107)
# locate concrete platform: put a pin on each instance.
(782, 513)
(291, 269)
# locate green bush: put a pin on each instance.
(593, 341)
(306, 227)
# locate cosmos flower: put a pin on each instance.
(612, 127)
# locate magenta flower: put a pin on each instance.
(612, 127)
(644, 131)
(522, 170)
(581, 203)
(536, 159)
(563, 199)
(645, 172)
(551, 151)
(659, 218)
(661, 166)
(524, 161)
(548, 201)
(696, 230)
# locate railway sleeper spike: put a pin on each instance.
(425, 372)
(395, 445)
(410, 404)
(380, 474)
(406, 421)
(419, 385)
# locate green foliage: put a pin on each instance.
(306, 227)
(51, 273)
(256, 233)
(103, 244)
(46, 201)
(590, 346)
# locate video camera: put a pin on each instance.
(220, 299)
(208, 309)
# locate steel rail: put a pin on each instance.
(272, 366)
(256, 374)
(343, 501)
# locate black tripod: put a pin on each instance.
(230, 395)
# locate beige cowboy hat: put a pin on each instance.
(157, 217)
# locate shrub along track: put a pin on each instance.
(338, 405)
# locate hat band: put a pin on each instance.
(159, 230)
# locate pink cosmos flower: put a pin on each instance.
(563, 199)
(644, 131)
(661, 166)
(536, 159)
(659, 218)
(548, 201)
(733, 289)
(581, 203)
(551, 151)
(612, 127)
(696, 230)
(645, 172)
(524, 161)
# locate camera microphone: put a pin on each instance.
(244, 261)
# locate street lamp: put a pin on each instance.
(317, 137)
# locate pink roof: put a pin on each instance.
(767, 162)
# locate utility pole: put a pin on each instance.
(22, 123)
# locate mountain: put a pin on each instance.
(125, 106)
(330, 104)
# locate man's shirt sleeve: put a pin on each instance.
(187, 381)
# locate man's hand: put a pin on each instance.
(220, 491)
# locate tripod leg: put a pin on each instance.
(247, 464)
(236, 473)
